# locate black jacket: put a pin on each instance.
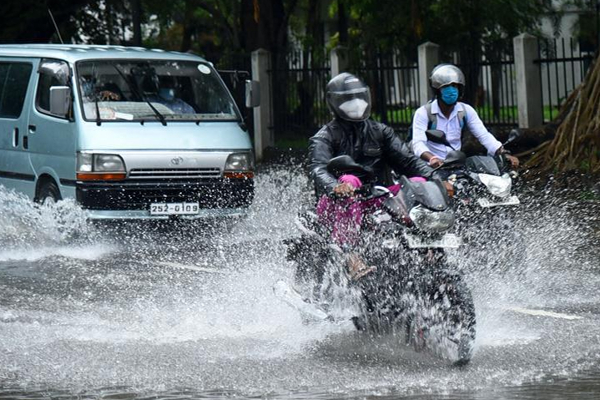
(370, 144)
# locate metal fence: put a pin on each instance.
(300, 109)
(562, 67)
(490, 84)
(235, 70)
(298, 95)
(497, 103)
(299, 99)
(299, 80)
(394, 83)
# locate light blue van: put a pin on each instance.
(129, 133)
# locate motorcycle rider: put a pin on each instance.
(451, 116)
(352, 133)
(369, 143)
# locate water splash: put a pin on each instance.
(534, 257)
(151, 316)
(30, 230)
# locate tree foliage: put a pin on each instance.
(28, 21)
(451, 23)
(213, 28)
(224, 26)
(466, 30)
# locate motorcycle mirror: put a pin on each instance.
(345, 164)
(437, 136)
(513, 136)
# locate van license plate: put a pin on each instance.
(174, 208)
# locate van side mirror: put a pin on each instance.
(60, 100)
(252, 94)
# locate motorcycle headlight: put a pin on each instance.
(497, 185)
(431, 221)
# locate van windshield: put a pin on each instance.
(143, 90)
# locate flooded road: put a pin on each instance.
(188, 311)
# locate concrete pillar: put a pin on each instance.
(528, 81)
(339, 60)
(263, 131)
(429, 57)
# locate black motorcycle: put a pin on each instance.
(481, 179)
(412, 291)
(484, 199)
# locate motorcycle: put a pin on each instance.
(410, 290)
(485, 180)
(482, 193)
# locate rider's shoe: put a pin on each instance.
(357, 268)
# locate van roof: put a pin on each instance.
(77, 52)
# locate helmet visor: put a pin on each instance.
(352, 105)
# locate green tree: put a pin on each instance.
(469, 28)
(28, 21)
(104, 22)
(475, 28)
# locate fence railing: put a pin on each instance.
(562, 68)
(298, 94)
(498, 104)
(394, 83)
(234, 71)
(298, 82)
(300, 108)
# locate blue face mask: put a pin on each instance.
(449, 95)
(167, 94)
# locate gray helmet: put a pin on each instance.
(348, 97)
(445, 74)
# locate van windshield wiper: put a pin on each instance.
(98, 119)
(94, 79)
(140, 95)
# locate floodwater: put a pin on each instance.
(187, 311)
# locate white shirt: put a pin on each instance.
(451, 127)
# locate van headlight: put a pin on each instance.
(239, 162)
(100, 167)
(239, 165)
(431, 221)
(497, 185)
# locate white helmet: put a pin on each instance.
(446, 74)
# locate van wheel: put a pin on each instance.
(48, 194)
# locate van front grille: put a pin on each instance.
(140, 195)
(175, 173)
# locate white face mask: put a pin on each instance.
(354, 109)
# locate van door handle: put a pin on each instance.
(32, 128)
(16, 137)
(25, 142)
